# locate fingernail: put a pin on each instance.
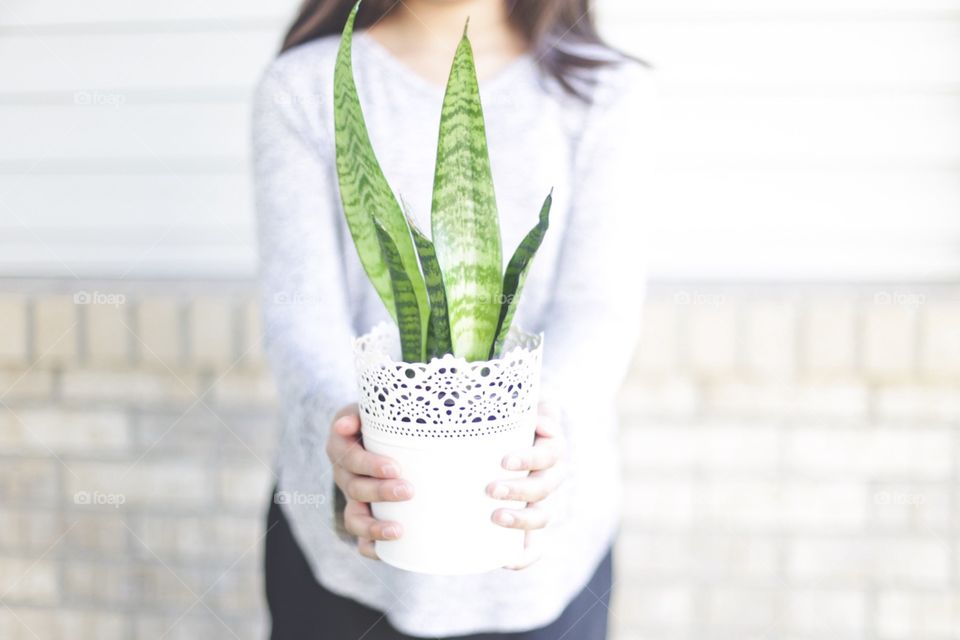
(389, 471)
(391, 532)
(505, 518)
(500, 491)
(513, 463)
(401, 491)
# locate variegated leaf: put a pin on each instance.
(364, 190)
(407, 311)
(438, 333)
(466, 231)
(516, 274)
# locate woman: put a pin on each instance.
(562, 111)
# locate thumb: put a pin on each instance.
(347, 424)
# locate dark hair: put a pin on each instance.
(562, 33)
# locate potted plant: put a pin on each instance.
(453, 387)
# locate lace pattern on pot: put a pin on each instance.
(447, 397)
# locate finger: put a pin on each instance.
(526, 519)
(363, 463)
(348, 452)
(543, 455)
(557, 441)
(339, 445)
(359, 523)
(364, 489)
(547, 426)
(532, 551)
(367, 549)
(532, 488)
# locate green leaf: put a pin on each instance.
(438, 334)
(466, 231)
(405, 298)
(364, 190)
(516, 274)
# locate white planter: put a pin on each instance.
(448, 424)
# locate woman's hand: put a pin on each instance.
(541, 461)
(364, 477)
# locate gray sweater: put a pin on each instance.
(584, 292)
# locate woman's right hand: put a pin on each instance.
(364, 477)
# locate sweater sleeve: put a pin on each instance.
(308, 334)
(592, 323)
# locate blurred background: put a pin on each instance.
(790, 424)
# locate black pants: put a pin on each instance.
(301, 609)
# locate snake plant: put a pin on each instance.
(448, 294)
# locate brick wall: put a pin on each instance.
(792, 463)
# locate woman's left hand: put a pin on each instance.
(541, 461)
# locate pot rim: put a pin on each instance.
(521, 344)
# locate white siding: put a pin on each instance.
(803, 138)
